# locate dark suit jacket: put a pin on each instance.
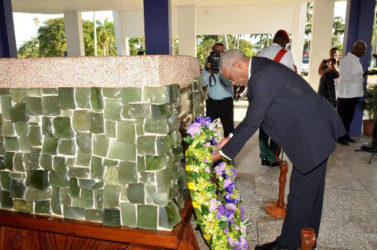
(305, 125)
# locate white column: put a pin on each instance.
(73, 33)
(298, 33)
(187, 30)
(120, 36)
(323, 19)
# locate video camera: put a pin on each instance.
(214, 59)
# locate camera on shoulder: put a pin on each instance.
(214, 59)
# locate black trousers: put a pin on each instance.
(304, 207)
(222, 109)
(346, 111)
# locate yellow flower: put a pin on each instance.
(207, 237)
(191, 185)
(195, 205)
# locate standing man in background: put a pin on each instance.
(220, 91)
(350, 86)
(269, 150)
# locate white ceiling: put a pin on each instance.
(59, 6)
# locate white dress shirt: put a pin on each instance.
(350, 82)
(271, 51)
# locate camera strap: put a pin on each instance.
(212, 77)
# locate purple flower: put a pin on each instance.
(214, 151)
(194, 129)
(234, 171)
(208, 170)
(207, 144)
(242, 211)
(229, 200)
(227, 183)
(226, 230)
(205, 160)
(243, 243)
(230, 188)
(212, 207)
(230, 240)
(231, 206)
(205, 121)
(230, 219)
(213, 141)
(220, 168)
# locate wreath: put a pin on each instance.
(215, 198)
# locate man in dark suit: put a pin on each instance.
(304, 124)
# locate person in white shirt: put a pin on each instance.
(269, 150)
(350, 86)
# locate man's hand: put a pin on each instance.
(216, 157)
(223, 142)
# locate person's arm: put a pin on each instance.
(205, 77)
(323, 68)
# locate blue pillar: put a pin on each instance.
(8, 46)
(157, 27)
(359, 26)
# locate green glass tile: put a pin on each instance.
(147, 217)
(4, 91)
(111, 217)
(154, 197)
(66, 98)
(33, 106)
(21, 128)
(33, 92)
(82, 97)
(176, 138)
(65, 198)
(70, 161)
(11, 144)
(35, 137)
(31, 161)
(173, 191)
(18, 95)
(112, 92)
(2, 149)
(163, 144)
(84, 203)
(24, 144)
(140, 163)
(59, 164)
(55, 200)
(49, 91)
(96, 98)
(62, 127)
(81, 120)
(131, 94)
(163, 180)
(2, 163)
(42, 207)
(110, 128)
(146, 177)
(7, 129)
(67, 147)
(38, 179)
(83, 159)
(146, 145)
(128, 211)
(17, 162)
(100, 145)
(84, 142)
(23, 206)
(126, 131)
(33, 194)
(110, 196)
(5, 199)
(127, 172)
(122, 151)
(8, 160)
(50, 105)
(45, 161)
(137, 110)
(175, 94)
(86, 193)
(96, 120)
(74, 213)
(93, 215)
(169, 215)
(50, 145)
(161, 111)
(111, 176)
(5, 180)
(90, 184)
(110, 163)
(78, 172)
(57, 179)
(47, 126)
(74, 189)
(6, 107)
(157, 95)
(156, 162)
(17, 189)
(135, 193)
(98, 198)
(18, 114)
(112, 109)
(96, 168)
(156, 126)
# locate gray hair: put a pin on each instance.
(358, 43)
(230, 57)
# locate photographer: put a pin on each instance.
(220, 91)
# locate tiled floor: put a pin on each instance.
(349, 219)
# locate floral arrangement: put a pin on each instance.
(215, 199)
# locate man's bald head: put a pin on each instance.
(359, 48)
(229, 58)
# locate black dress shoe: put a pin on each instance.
(349, 139)
(271, 246)
(342, 141)
(265, 162)
(274, 164)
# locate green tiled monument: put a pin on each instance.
(104, 154)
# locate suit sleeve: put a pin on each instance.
(263, 93)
